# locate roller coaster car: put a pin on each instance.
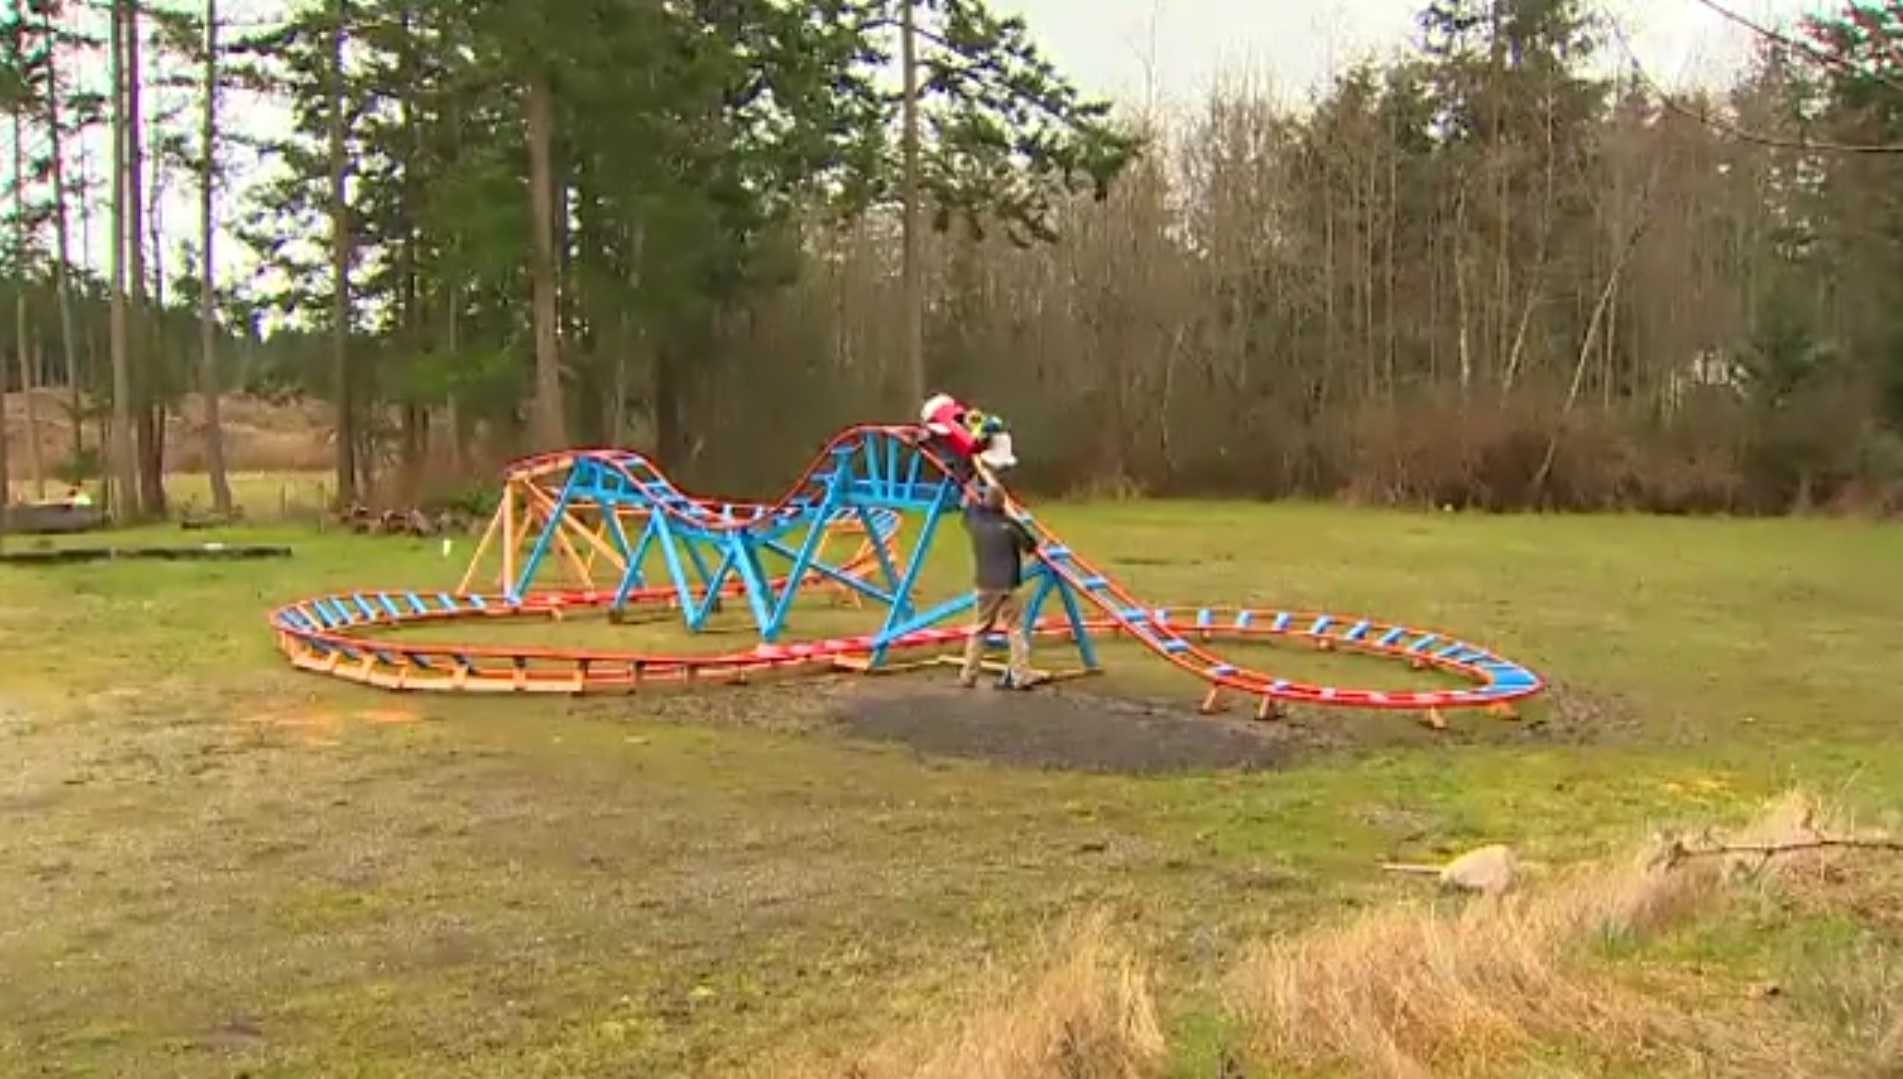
(968, 433)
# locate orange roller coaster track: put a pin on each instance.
(606, 529)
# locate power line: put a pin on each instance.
(1705, 117)
(1804, 47)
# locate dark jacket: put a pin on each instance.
(998, 544)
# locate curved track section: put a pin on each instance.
(864, 480)
(527, 481)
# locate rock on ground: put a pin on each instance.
(1490, 870)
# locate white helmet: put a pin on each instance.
(931, 406)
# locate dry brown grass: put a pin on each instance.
(1414, 992)
(1496, 985)
(1506, 985)
(1086, 1012)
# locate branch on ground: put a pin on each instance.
(1677, 852)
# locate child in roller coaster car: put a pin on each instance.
(961, 434)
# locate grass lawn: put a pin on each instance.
(261, 496)
(218, 865)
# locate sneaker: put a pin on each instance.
(967, 681)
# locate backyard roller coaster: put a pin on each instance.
(589, 530)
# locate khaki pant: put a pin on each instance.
(997, 610)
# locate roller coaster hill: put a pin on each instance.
(592, 530)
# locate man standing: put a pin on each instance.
(998, 544)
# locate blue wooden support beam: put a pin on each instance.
(540, 550)
(891, 463)
(955, 605)
(875, 481)
(691, 541)
(710, 598)
(878, 548)
(829, 571)
(616, 534)
(1067, 595)
(911, 472)
(759, 593)
(664, 535)
(901, 606)
(632, 578)
(1047, 581)
(815, 532)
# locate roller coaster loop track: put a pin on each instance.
(585, 530)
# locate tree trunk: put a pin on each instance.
(411, 315)
(19, 326)
(453, 431)
(125, 476)
(340, 269)
(1329, 351)
(670, 435)
(105, 425)
(1371, 231)
(207, 306)
(455, 417)
(30, 369)
(1436, 273)
(1541, 245)
(1503, 272)
(1586, 350)
(6, 489)
(548, 427)
(36, 465)
(617, 419)
(150, 433)
(912, 285)
(151, 437)
(68, 340)
(142, 358)
(628, 336)
(1610, 339)
(415, 429)
(1462, 319)
(1394, 215)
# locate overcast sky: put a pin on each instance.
(1109, 45)
(1129, 50)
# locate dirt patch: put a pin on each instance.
(1087, 726)
(1058, 728)
(1569, 714)
(322, 727)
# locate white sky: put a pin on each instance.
(1129, 50)
(1108, 45)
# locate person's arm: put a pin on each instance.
(1026, 541)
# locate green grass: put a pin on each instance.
(263, 496)
(217, 864)
(260, 496)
